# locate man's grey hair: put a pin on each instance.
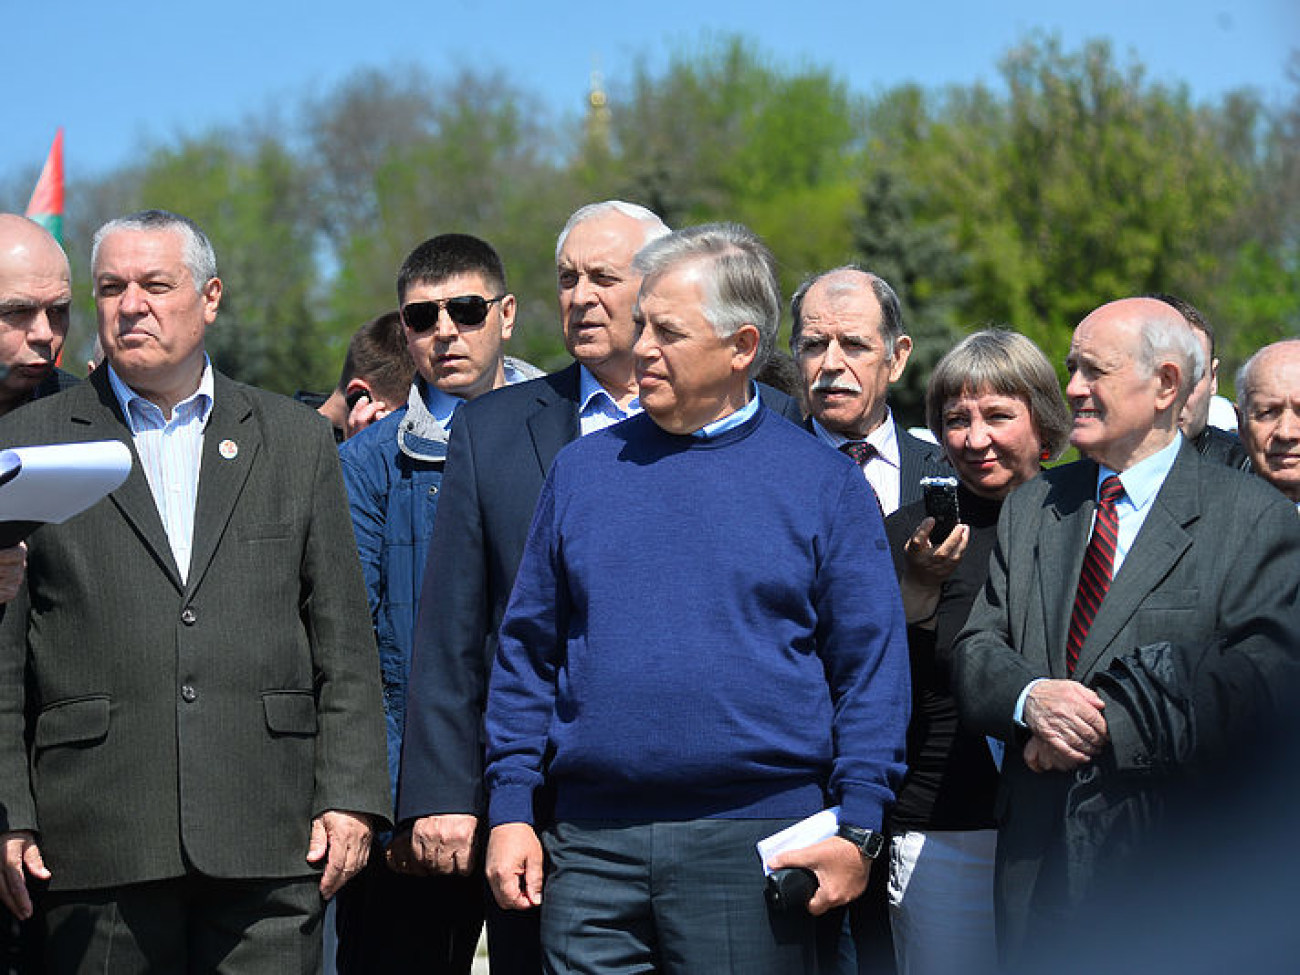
(1160, 340)
(196, 249)
(740, 283)
(891, 311)
(654, 225)
(1246, 374)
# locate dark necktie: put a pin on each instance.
(1098, 566)
(859, 450)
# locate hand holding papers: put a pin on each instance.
(791, 888)
(53, 483)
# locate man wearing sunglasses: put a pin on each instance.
(456, 315)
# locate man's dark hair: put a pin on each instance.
(447, 255)
(1191, 313)
(378, 354)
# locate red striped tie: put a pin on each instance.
(1098, 563)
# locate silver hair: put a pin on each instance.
(891, 311)
(740, 287)
(1247, 370)
(654, 225)
(196, 249)
(1161, 338)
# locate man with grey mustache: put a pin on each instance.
(848, 341)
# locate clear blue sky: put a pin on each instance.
(120, 75)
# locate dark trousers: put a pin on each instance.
(868, 948)
(394, 923)
(187, 925)
(22, 943)
(514, 939)
(678, 898)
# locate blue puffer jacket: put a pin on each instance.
(393, 472)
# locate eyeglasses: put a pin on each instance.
(465, 311)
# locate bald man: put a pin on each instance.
(35, 301)
(1202, 556)
(1268, 409)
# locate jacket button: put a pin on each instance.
(188, 616)
(188, 694)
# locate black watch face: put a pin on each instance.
(875, 842)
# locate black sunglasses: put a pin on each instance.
(466, 311)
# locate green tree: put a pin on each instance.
(921, 261)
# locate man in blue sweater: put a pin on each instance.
(704, 645)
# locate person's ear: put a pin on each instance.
(902, 350)
(745, 342)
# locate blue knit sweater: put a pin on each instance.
(701, 628)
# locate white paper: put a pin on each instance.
(56, 482)
(817, 827)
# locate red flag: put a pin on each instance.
(46, 206)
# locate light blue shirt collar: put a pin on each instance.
(1143, 480)
(731, 420)
(596, 408)
(441, 405)
(201, 398)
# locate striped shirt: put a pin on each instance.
(170, 453)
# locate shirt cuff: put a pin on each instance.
(1019, 714)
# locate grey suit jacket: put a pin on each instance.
(1216, 566)
(150, 726)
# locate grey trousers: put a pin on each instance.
(678, 898)
(187, 925)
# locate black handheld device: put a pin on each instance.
(941, 504)
(790, 888)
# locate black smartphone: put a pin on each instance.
(941, 505)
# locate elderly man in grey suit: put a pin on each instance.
(1201, 556)
(848, 341)
(191, 738)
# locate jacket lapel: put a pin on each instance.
(96, 407)
(1058, 557)
(230, 446)
(1157, 549)
(555, 422)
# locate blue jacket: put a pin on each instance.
(393, 472)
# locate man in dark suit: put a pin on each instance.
(190, 715)
(35, 310)
(1201, 556)
(501, 447)
(849, 343)
(848, 340)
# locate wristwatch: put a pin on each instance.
(868, 841)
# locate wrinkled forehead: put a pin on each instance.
(29, 256)
(1276, 373)
(607, 240)
(138, 250)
